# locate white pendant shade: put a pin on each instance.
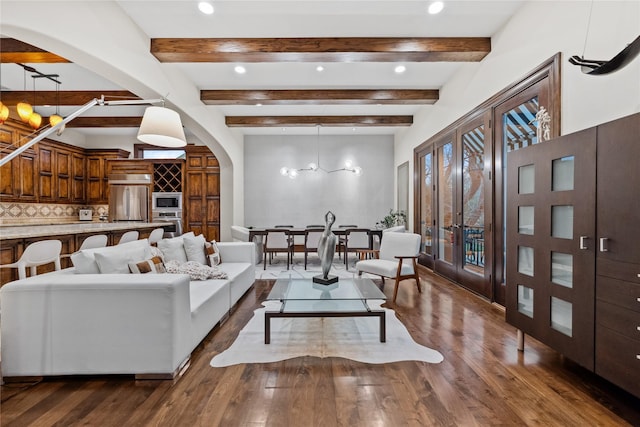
(162, 127)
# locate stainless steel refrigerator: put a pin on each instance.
(128, 200)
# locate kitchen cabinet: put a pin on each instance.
(78, 186)
(10, 251)
(201, 198)
(19, 177)
(573, 265)
(97, 175)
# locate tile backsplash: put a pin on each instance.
(43, 213)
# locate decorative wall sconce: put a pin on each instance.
(314, 167)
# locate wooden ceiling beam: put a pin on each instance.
(105, 122)
(328, 49)
(309, 97)
(68, 97)
(306, 121)
(15, 51)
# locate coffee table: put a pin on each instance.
(300, 297)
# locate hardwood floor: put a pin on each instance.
(483, 380)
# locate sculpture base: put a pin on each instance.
(321, 280)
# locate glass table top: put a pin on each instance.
(301, 294)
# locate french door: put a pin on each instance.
(516, 128)
(462, 198)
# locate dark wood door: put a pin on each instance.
(551, 243)
(514, 128)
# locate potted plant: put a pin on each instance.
(392, 219)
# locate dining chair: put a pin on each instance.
(156, 235)
(355, 240)
(129, 236)
(395, 259)
(37, 253)
(311, 239)
(341, 238)
(277, 240)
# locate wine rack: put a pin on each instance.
(167, 177)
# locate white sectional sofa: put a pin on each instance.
(66, 323)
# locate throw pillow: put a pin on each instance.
(85, 261)
(193, 246)
(195, 271)
(211, 255)
(157, 252)
(152, 266)
(117, 260)
(173, 248)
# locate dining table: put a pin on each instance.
(300, 231)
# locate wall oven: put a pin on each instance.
(163, 201)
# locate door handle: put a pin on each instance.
(603, 244)
(583, 242)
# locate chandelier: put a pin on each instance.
(315, 166)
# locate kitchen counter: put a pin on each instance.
(8, 232)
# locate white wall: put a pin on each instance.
(271, 198)
(538, 31)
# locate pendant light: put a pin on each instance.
(35, 119)
(162, 127)
(56, 118)
(4, 113)
(24, 108)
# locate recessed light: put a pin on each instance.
(205, 7)
(240, 69)
(400, 69)
(436, 7)
(319, 68)
(258, 105)
(284, 129)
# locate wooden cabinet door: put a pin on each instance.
(551, 243)
(26, 180)
(202, 195)
(63, 176)
(78, 193)
(47, 171)
(95, 174)
(10, 251)
(618, 254)
(8, 188)
(618, 190)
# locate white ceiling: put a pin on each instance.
(292, 18)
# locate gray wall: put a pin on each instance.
(271, 198)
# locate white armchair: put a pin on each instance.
(395, 259)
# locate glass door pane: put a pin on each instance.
(445, 202)
(426, 202)
(473, 184)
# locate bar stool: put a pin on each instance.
(91, 242)
(129, 236)
(37, 253)
(95, 241)
(156, 235)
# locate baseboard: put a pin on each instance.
(180, 370)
